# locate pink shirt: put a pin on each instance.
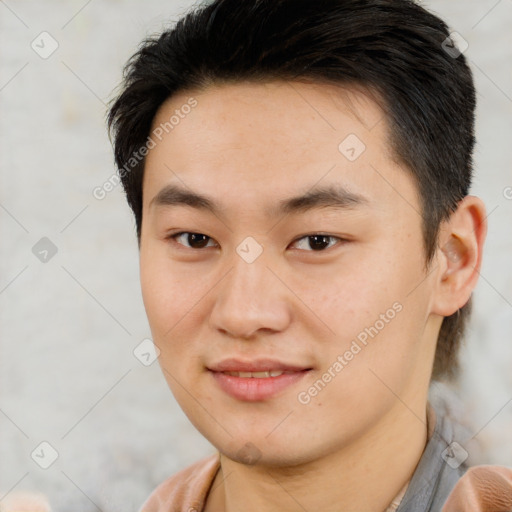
(480, 489)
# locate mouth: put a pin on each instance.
(257, 375)
(257, 380)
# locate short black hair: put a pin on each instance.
(394, 48)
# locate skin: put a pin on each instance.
(249, 146)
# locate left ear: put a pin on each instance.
(459, 255)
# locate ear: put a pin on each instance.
(459, 255)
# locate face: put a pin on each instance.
(290, 302)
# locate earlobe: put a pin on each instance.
(461, 242)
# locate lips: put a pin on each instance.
(256, 375)
(257, 365)
(255, 380)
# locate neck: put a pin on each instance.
(366, 475)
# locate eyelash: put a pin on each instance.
(332, 237)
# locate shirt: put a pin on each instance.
(441, 482)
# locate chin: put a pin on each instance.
(258, 451)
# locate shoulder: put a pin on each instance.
(482, 488)
(185, 490)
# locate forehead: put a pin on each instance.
(280, 111)
(268, 139)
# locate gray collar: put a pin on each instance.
(440, 467)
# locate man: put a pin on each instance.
(299, 173)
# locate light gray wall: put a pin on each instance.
(68, 375)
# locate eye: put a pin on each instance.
(196, 240)
(318, 242)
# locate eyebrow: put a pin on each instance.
(327, 196)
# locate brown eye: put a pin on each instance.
(195, 240)
(318, 242)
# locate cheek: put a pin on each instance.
(369, 309)
(174, 300)
(167, 294)
(157, 289)
(349, 297)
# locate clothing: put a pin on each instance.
(431, 423)
(439, 483)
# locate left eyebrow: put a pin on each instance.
(329, 196)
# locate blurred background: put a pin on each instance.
(84, 417)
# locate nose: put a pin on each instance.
(249, 299)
